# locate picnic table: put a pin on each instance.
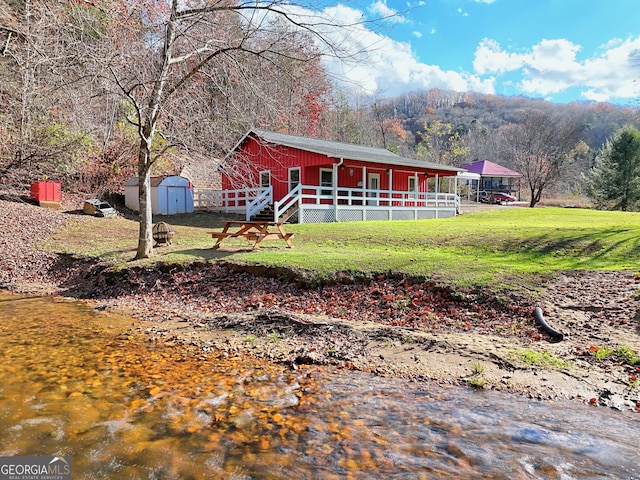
(254, 232)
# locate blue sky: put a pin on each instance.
(560, 50)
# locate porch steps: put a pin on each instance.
(267, 214)
(264, 215)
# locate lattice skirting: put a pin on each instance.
(325, 215)
(317, 216)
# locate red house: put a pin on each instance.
(288, 177)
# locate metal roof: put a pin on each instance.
(490, 169)
(347, 151)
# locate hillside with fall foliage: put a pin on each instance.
(71, 72)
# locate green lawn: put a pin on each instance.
(499, 247)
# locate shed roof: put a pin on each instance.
(489, 169)
(338, 150)
(155, 181)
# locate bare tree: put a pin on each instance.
(540, 148)
(41, 136)
(162, 56)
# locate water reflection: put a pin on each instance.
(75, 382)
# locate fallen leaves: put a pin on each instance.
(398, 302)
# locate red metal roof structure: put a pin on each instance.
(489, 169)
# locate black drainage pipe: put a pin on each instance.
(555, 334)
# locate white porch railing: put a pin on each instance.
(226, 201)
(330, 204)
(257, 204)
(288, 201)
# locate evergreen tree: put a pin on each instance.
(614, 182)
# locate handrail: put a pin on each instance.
(382, 198)
(291, 198)
(264, 198)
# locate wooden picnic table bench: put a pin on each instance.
(254, 232)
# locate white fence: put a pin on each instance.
(333, 204)
(244, 201)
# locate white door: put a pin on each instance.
(373, 183)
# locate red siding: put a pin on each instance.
(278, 159)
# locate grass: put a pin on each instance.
(623, 354)
(502, 247)
(540, 359)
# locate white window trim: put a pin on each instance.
(268, 172)
(293, 169)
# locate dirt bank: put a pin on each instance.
(387, 325)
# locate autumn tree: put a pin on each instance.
(540, 147)
(614, 182)
(438, 142)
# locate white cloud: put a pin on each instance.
(488, 2)
(374, 63)
(552, 66)
(417, 34)
(489, 58)
(391, 69)
(380, 8)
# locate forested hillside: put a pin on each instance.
(77, 75)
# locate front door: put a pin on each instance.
(373, 183)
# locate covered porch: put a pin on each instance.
(318, 204)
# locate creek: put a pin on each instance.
(78, 382)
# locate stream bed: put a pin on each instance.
(77, 382)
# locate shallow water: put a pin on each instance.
(76, 382)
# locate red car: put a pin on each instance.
(499, 197)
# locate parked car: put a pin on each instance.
(98, 208)
(500, 197)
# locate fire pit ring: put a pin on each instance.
(163, 234)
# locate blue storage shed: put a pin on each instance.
(170, 195)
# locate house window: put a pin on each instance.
(326, 180)
(265, 179)
(294, 178)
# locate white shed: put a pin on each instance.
(170, 195)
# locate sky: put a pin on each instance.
(558, 50)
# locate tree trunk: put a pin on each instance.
(147, 133)
(145, 238)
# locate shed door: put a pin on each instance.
(177, 202)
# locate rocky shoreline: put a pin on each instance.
(385, 325)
